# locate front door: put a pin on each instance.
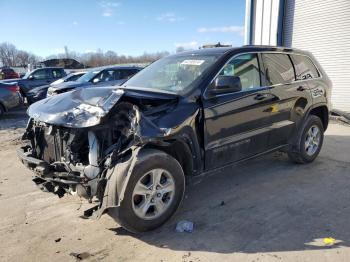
(237, 124)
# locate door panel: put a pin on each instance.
(236, 127)
(237, 124)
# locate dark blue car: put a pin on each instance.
(40, 92)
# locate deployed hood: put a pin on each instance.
(85, 107)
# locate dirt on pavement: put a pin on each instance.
(268, 209)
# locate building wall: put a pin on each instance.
(263, 22)
(319, 26)
(323, 27)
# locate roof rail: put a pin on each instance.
(215, 45)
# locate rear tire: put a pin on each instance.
(148, 168)
(309, 141)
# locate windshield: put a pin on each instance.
(88, 76)
(27, 75)
(176, 74)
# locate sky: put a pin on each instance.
(129, 27)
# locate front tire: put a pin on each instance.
(309, 141)
(153, 194)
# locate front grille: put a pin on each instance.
(48, 145)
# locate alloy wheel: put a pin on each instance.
(153, 194)
(312, 140)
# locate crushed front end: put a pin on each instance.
(78, 140)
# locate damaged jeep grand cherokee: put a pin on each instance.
(130, 147)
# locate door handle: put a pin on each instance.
(301, 88)
(260, 96)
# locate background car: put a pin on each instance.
(8, 73)
(68, 78)
(10, 97)
(40, 92)
(38, 77)
(116, 75)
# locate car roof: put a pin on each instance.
(49, 67)
(245, 48)
(114, 67)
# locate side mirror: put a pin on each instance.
(31, 77)
(226, 84)
(95, 80)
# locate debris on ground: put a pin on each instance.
(222, 203)
(329, 241)
(184, 226)
(58, 240)
(80, 256)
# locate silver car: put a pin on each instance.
(10, 96)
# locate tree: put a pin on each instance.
(11, 56)
(8, 54)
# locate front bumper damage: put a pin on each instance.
(47, 177)
(109, 190)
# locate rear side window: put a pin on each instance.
(57, 73)
(127, 73)
(279, 69)
(304, 67)
(246, 67)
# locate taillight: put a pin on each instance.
(14, 88)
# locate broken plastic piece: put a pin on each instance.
(184, 226)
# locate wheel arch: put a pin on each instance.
(322, 112)
(179, 150)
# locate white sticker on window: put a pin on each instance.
(192, 62)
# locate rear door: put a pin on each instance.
(291, 97)
(237, 124)
(56, 73)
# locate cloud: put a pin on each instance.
(108, 7)
(75, 23)
(187, 45)
(223, 29)
(169, 17)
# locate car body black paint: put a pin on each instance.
(202, 130)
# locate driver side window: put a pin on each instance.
(246, 67)
(40, 74)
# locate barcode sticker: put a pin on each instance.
(192, 62)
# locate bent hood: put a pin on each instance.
(84, 107)
(79, 108)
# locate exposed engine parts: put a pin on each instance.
(74, 155)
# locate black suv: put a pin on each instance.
(38, 77)
(131, 147)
